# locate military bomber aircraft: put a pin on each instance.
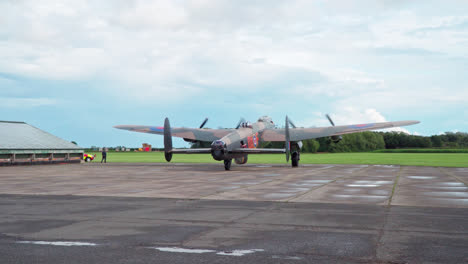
(239, 142)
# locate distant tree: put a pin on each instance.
(462, 139)
(358, 142)
(451, 137)
(200, 144)
(310, 146)
(391, 140)
(436, 141)
(324, 144)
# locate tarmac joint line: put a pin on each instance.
(452, 175)
(395, 184)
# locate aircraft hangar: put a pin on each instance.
(23, 144)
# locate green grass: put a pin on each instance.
(410, 159)
(422, 150)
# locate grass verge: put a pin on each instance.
(409, 159)
(422, 150)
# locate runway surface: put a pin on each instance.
(181, 213)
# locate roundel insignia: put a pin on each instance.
(361, 126)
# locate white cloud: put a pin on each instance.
(181, 50)
(6, 102)
(349, 116)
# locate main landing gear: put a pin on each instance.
(227, 164)
(291, 148)
(295, 157)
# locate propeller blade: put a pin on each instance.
(291, 123)
(329, 119)
(286, 136)
(335, 139)
(204, 122)
(167, 140)
(240, 122)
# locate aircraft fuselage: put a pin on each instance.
(246, 136)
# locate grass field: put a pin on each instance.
(410, 159)
(421, 150)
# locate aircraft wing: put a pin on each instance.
(199, 134)
(233, 151)
(192, 151)
(257, 151)
(297, 134)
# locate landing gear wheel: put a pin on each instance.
(295, 159)
(87, 159)
(227, 164)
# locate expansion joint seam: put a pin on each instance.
(452, 175)
(395, 184)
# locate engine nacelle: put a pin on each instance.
(336, 139)
(218, 150)
(241, 160)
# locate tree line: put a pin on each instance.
(370, 141)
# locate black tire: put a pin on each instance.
(227, 164)
(87, 159)
(295, 159)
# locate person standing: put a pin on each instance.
(104, 155)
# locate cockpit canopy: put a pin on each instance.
(266, 119)
(246, 124)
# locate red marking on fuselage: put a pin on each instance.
(252, 141)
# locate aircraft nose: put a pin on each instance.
(218, 144)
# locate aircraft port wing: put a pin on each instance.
(196, 134)
(298, 134)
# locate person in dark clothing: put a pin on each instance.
(242, 144)
(104, 155)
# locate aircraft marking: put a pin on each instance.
(252, 141)
(157, 129)
(362, 126)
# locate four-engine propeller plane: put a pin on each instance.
(239, 142)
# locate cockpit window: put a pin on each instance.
(246, 124)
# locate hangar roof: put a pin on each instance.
(19, 135)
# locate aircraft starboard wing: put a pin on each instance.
(199, 134)
(297, 134)
(256, 151)
(191, 151)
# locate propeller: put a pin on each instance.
(204, 122)
(167, 140)
(299, 143)
(329, 119)
(291, 123)
(286, 138)
(240, 122)
(335, 139)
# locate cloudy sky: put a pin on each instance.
(76, 68)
